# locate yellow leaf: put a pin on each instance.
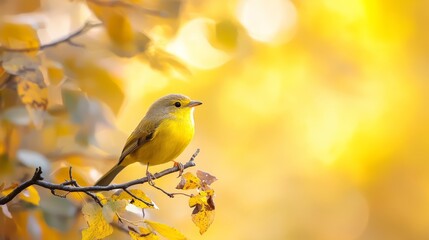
(189, 181)
(80, 175)
(29, 194)
(6, 191)
(32, 94)
(62, 174)
(145, 234)
(202, 198)
(97, 81)
(18, 35)
(203, 213)
(55, 73)
(163, 61)
(15, 7)
(136, 202)
(12, 142)
(165, 230)
(8, 150)
(4, 76)
(98, 227)
(102, 198)
(118, 27)
(203, 219)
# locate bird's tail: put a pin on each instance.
(107, 178)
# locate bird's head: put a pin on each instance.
(176, 105)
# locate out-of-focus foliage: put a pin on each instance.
(314, 117)
(58, 91)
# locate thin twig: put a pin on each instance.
(115, 3)
(68, 39)
(151, 183)
(37, 179)
(73, 183)
(70, 174)
(137, 198)
(179, 193)
(181, 168)
(194, 155)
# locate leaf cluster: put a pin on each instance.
(202, 202)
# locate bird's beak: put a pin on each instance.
(194, 103)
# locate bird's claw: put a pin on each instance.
(150, 178)
(181, 168)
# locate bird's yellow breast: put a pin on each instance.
(170, 139)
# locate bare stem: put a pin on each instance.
(137, 198)
(72, 186)
(142, 10)
(68, 39)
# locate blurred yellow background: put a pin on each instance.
(314, 117)
(316, 126)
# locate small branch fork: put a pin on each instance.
(86, 27)
(72, 186)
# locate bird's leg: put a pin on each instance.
(181, 167)
(150, 176)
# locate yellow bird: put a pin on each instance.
(160, 137)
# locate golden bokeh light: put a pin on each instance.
(268, 21)
(193, 46)
(314, 115)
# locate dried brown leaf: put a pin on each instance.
(205, 177)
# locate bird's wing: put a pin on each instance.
(144, 133)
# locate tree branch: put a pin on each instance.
(72, 186)
(114, 3)
(68, 39)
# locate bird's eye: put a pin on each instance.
(177, 104)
